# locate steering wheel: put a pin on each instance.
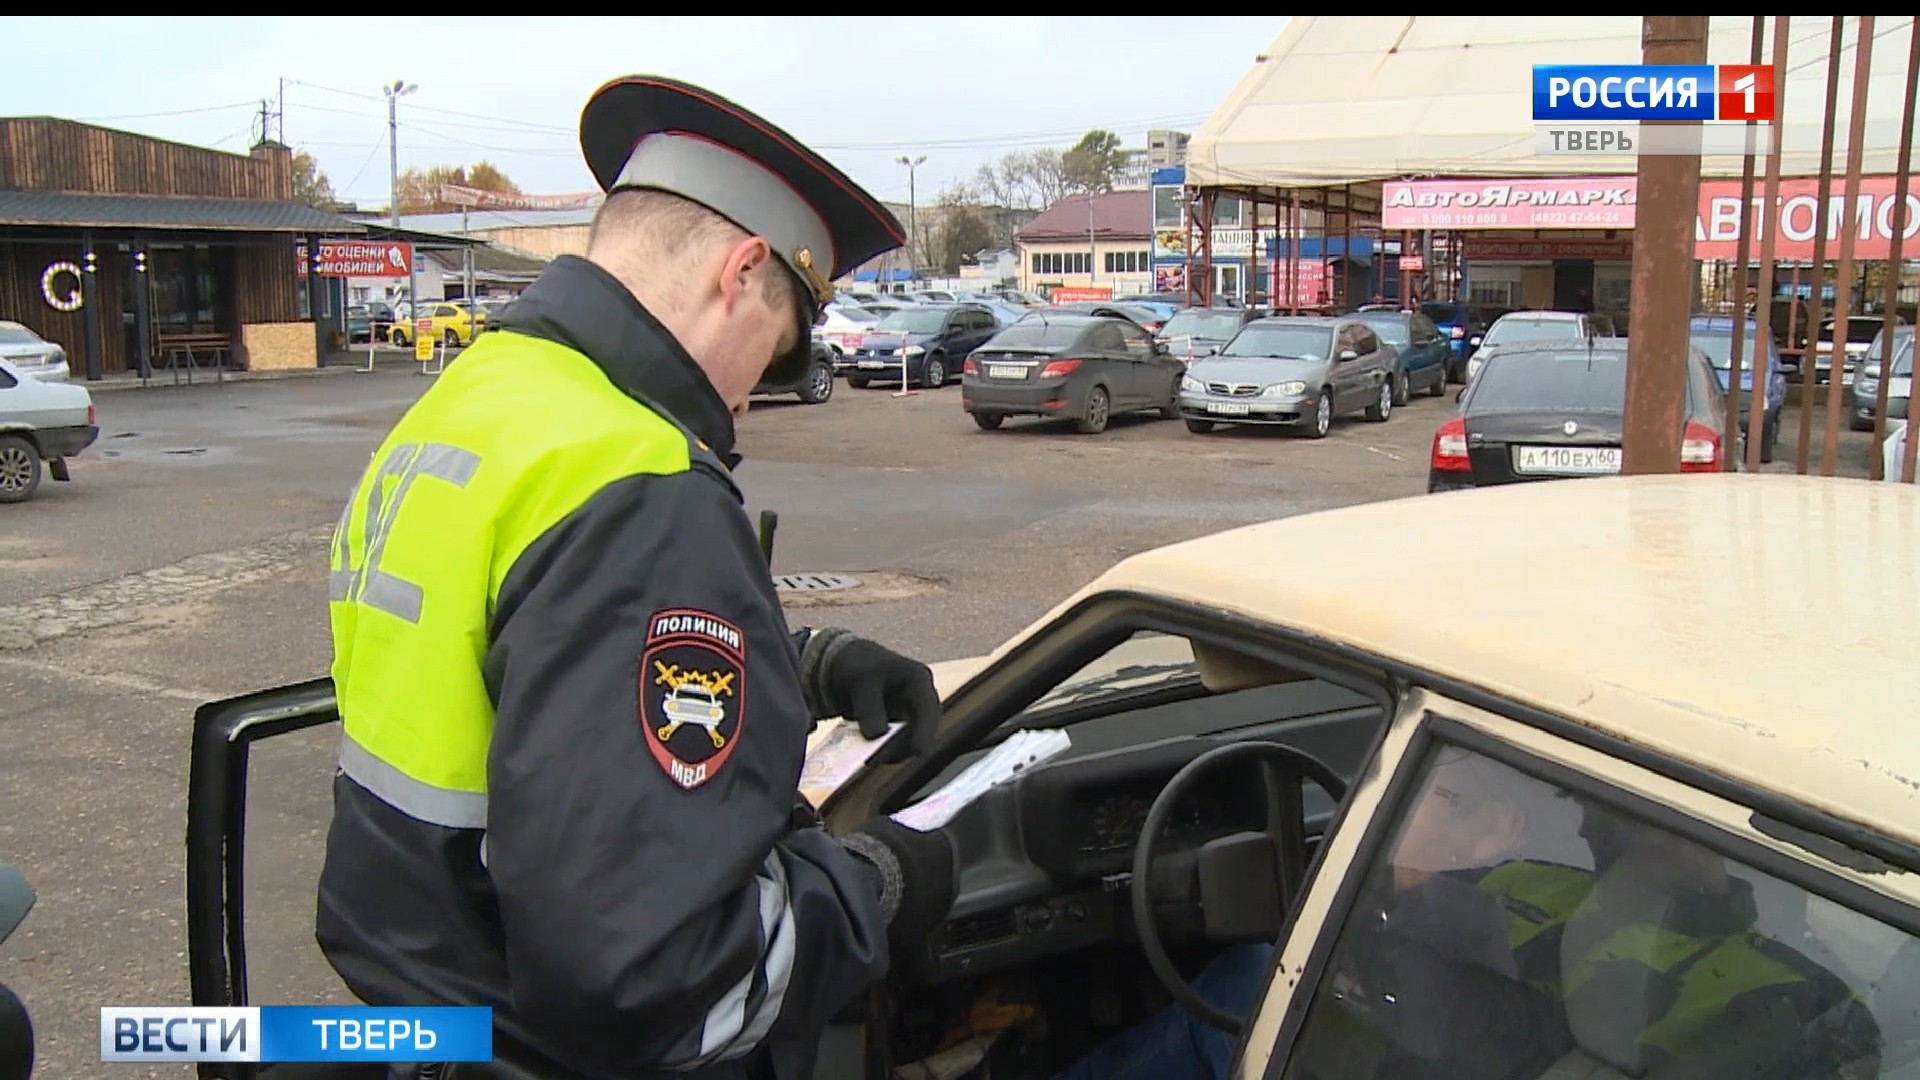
(1245, 894)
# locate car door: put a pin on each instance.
(984, 326)
(1107, 349)
(1146, 379)
(1428, 351)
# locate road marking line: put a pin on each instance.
(1384, 453)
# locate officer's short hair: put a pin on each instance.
(664, 225)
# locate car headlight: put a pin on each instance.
(1285, 389)
(1192, 385)
(912, 350)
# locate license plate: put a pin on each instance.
(1218, 408)
(1567, 460)
(874, 365)
(1006, 371)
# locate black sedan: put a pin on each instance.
(814, 385)
(1079, 367)
(1554, 410)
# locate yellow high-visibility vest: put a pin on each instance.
(509, 441)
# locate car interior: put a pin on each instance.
(1206, 761)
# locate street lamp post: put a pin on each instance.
(399, 89)
(1090, 245)
(913, 214)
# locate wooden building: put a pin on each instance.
(127, 249)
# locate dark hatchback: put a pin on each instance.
(1424, 351)
(814, 385)
(1198, 332)
(929, 340)
(1145, 318)
(1555, 410)
(1080, 367)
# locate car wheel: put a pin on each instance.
(1093, 420)
(19, 469)
(1440, 384)
(1402, 388)
(1171, 410)
(1382, 410)
(934, 375)
(819, 384)
(1199, 427)
(858, 382)
(1860, 423)
(1769, 439)
(452, 338)
(398, 337)
(989, 421)
(1323, 414)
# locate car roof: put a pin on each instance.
(1715, 619)
(1541, 316)
(9, 325)
(1303, 320)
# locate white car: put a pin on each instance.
(40, 421)
(844, 328)
(32, 354)
(1893, 454)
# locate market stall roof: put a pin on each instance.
(74, 209)
(1352, 99)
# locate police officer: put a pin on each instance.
(574, 716)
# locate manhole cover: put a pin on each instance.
(814, 583)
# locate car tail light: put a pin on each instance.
(1150, 327)
(1450, 447)
(1057, 369)
(852, 341)
(969, 368)
(93, 418)
(1457, 333)
(1699, 449)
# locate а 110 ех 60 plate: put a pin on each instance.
(1566, 460)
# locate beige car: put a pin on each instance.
(1637, 795)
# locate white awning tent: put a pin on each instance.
(1356, 99)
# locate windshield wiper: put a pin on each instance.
(1107, 684)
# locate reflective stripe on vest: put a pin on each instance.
(504, 446)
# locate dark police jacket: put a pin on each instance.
(573, 724)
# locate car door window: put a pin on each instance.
(1424, 331)
(1105, 337)
(1136, 341)
(7, 381)
(1514, 927)
(1365, 342)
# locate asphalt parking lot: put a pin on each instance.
(186, 562)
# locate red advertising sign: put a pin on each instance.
(1312, 283)
(362, 258)
(1080, 294)
(1608, 202)
(1603, 202)
(1413, 264)
(478, 199)
(1494, 248)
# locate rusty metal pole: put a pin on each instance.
(1406, 275)
(1843, 277)
(1293, 254)
(1902, 215)
(1793, 309)
(1743, 252)
(1186, 273)
(1769, 218)
(1254, 254)
(1208, 204)
(1816, 294)
(1343, 292)
(1668, 201)
(1323, 288)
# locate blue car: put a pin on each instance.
(1457, 324)
(1713, 335)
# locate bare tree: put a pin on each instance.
(1047, 176)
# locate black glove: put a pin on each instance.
(916, 876)
(843, 674)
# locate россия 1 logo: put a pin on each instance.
(1640, 92)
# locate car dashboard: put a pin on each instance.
(1046, 861)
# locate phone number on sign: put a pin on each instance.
(1537, 219)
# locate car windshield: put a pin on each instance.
(1301, 342)
(1878, 348)
(1859, 331)
(1718, 345)
(913, 322)
(1391, 326)
(1903, 364)
(1034, 332)
(1510, 331)
(1440, 313)
(1575, 380)
(1214, 325)
(12, 336)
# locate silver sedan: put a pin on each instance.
(31, 354)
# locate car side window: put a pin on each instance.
(1424, 331)
(1136, 341)
(983, 320)
(1364, 341)
(1106, 337)
(7, 381)
(1343, 339)
(1514, 927)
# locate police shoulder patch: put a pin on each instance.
(693, 693)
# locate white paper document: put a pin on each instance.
(836, 751)
(1020, 753)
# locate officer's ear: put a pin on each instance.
(746, 260)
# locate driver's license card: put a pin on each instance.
(836, 751)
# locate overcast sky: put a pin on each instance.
(959, 89)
